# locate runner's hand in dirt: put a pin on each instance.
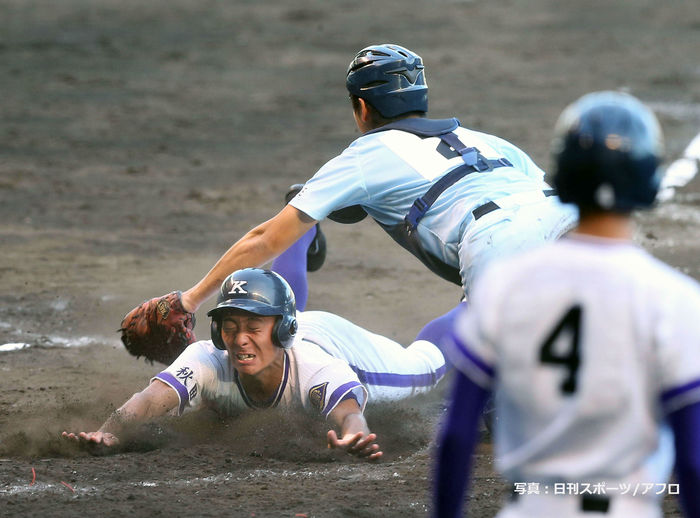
(93, 438)
(356, 444)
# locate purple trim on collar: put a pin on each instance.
(462, 349)
(285, 378)
(181, 390)
(338, 396)
(676, 391)
(275, 399)
(390, 379)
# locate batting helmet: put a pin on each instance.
(390, 78)
(262, 292)
(607, 150)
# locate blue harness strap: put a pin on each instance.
(474, 162)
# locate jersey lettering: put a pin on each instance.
(430, 157)
(569, 325)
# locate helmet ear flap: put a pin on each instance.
(284, 330)
(216, 334)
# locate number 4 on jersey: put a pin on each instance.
(570, 324)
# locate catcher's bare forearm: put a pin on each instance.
(251, 250)
(257, 247)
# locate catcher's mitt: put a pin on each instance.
(158, 329)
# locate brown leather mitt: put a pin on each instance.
(158, 329)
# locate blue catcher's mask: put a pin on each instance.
(389, 77)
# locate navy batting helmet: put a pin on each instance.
(390, 78)
(607, 150)
(262, 292)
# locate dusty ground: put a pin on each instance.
(137, 142)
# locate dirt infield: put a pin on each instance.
(140, 139)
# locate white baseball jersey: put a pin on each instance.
(387, 369)
(328, 359)
(386, 171)
(587, 344)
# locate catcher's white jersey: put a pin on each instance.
(329, 358)
(587, 343)
(386, 171)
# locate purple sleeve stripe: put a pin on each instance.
(462, 349)
(337, 396)
(390, 379)
(676, 391)
(181, 390)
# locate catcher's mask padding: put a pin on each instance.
(389, 77)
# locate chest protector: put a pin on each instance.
(405, 233)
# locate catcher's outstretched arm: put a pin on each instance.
(257, 247)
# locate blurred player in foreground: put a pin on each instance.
(265, 354)
(589, 345)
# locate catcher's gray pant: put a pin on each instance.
(521, 221)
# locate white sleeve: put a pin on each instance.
(336, 185)
(189, 374)
(678, 337)
(332, 384)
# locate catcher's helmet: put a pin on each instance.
(389, 77)
(262, 292)
(607, 149)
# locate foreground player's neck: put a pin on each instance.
(606, 224)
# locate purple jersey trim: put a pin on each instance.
(390, 379)
(686, 429)
(181, 390)
(276, 398)
(462, 348)
(457, 438)
(338, 396)
(667, 395)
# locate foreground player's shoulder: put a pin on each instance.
(673, 304)
(674, 279)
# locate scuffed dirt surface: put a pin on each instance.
(139, 140)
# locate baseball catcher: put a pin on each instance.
(453, 197)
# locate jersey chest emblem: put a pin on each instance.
(317, 395)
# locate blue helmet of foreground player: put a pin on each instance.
(607, 150)
(262, 292)
(389, 77)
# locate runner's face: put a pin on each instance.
(248, 340)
